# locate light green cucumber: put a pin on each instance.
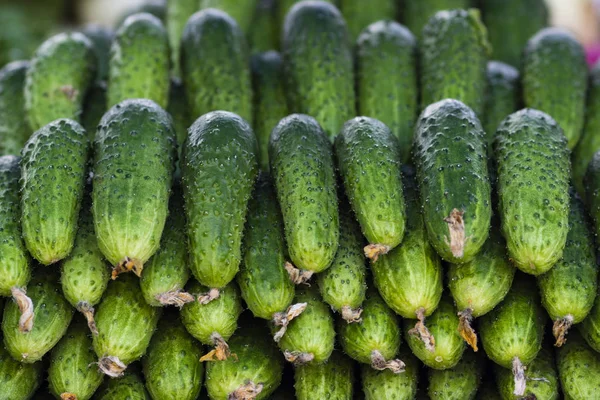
(358, 16)
(383, 385)
(578, 369)
(130, 387)
(14, 129)
(331, 380)
(18, 380)
(501, 98)
(458, 383)
(178, 13)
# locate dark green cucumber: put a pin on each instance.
(172, 366)
(129, 387)
(302, 166)
(72, 374)
(501, 97)
(386, 79)
(218, 171)
(50, 314)
(552, 57)
(458, 383)
(512, 332)
(242, 11)
(416, 13)
(18, 380)
(125, 325)
(534, 194)
(454, 46)
(369, 157)
(383, 385)
(269, 99)
(358, 17)
(318, 64)
(331, 380)
(451, 159)
(14, 129)
(263, 35)
(134, 160)
(578, 369)
(94, 108)
(179, 111)
(215, 65)
(61, 71)
(139, 61)
(178, 13)
(101, 38)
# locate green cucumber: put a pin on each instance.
(242, 11)
(451, 159)
(72, 374)
(331, 380)
(386, 76)
(369, 157)
(263, 35)
(18, 381)
(178, 13)
(318, 64)
(125, 325)
(215, 65)
(578, 369)
(139, 61)
(358, 17)
(61, 71)
(218, 172)
(416, 13)
(94, 108)
(552, 57)
(134, 158)
(590, 327)
(302, 166)
(454, 46)
(534, 194)
(458, 383)
(101, 38)
(14, 129)
(383, 385)
(129, 387)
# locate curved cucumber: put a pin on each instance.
(331, 380)
(416, 13)
(458, 383)
(130, 387)
(18, 380)
(178, 13)
(382, 385)
(578, 369)
(14, 129)
(358, 16)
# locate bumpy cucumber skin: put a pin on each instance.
(552, 57)
(578, 369)
(53, 172)
(318, 64)
(449, 345)
(416, 13)
(533, 196)
(218, 172)
(52, 315)
(220, 315)
(172, 366)
(501, 97)
(458, 383)
(386, 69)
(139, 61)
(178, 13)
(125, 321)
(94, 108)
(60, 74)
(14, 258)
(358, 16)
(242, 11)
(264, 282)
(134, 159)
(331, 380)
(14, 129)
(101, 38)
(451, 159)
(215, 66)
(130, 387)
(302, 166)
(381, 385)
(454, 46)
(72, 368)
(368, 158)
(269, 99)
(18, 381)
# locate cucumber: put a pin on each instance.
(368, 157)
(512, 332)
(179, 111)
(479, 285)
(386, 79)
(178, 13)
(94, 108)
(460, 382)
(578, 369)
(358, 17)
(130, 387)
(331, 380)
(416, 13)
(14, 129)
(242, 11)
(446, 346)
(383, 385)
(62, 69)
(263, 35)
(125, 325)
(101, 38)
(18, 381)
(302, 166)
(51, 315)
(533, 197)
(171, 367)
(133, 168)
(72, 374)
(139, 61)
(218, 172)
(269, 99)
(454, 46)
(451, 159)
(215, 65)
(554, 56)
(318, 64)
(590, 327)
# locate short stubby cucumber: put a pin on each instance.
(14, 129)
(53, 172)
(318, 64)
(451, 159)
(302, 167)
(382, 385)
(241, 11)
(358, 16)
(18, 381)
(133, 168)
(72, 374)
(101, 38)
(369, 157)
(62, 69)
(178, 13)
(552, 57)
(386, 79)
(219, 169)
(139, 61)
(215, 65)
(578, 369)
(130, 387)
(94, 108)
(454, 46)
(533, 195)
(125, 325)
(416, 13)
(458, 383)
(331, 380)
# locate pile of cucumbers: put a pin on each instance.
(259, 199)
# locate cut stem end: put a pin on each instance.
(221, 351)
(177, 298)
(465, 329)
(209, 296)
(560, 328)
(248, 391)
(88, 312)
(351, 315)
(25, 307)
(126, 265)
(297, 357)
(421, 330)
(112, 366)
(379, 363)
(373, 251)
(283, 319)
(298, 276)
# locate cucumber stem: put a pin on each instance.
(88, 312)
(421, 330)
(126, 265)
(176, 297)
(112, 366)
(298, 276)
(25, 307)
(465, 329)
(221, 351)
(456, 229)
(68, 396)
(351, 315)
(518, 370)
(284, 318)
(373, 251)
(379, 363)
(212, 294)
(248, 391)
(560, 328)
(297, 357)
